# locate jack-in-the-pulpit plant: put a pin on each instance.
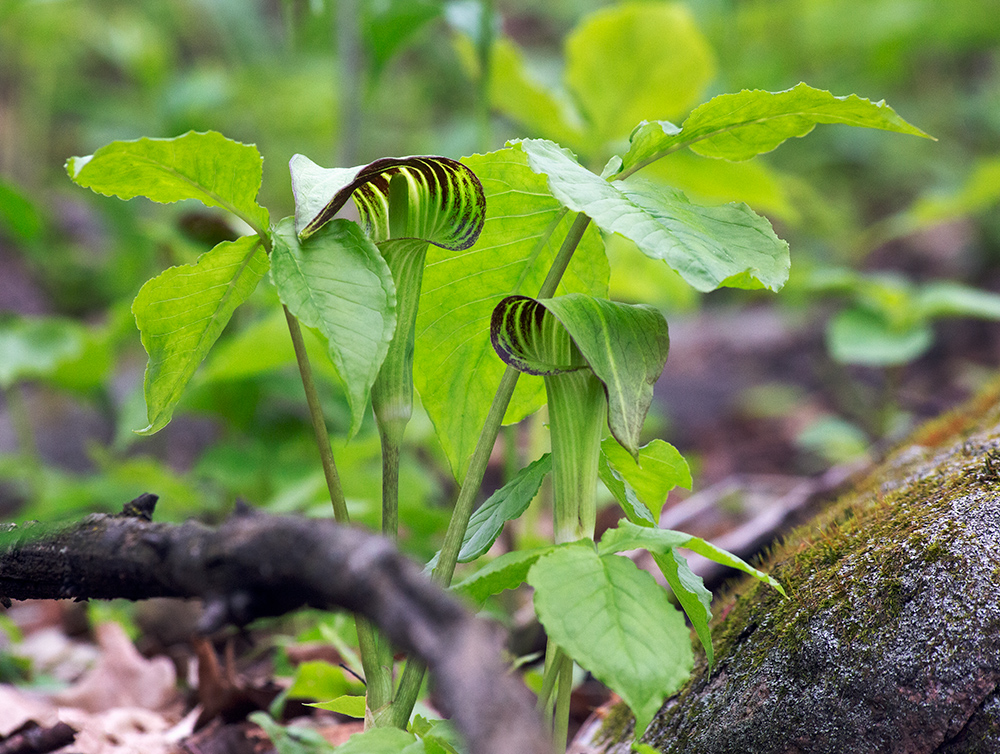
(451, 260)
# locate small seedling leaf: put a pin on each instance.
(659, 469)
(945, 298)
(316, 679)
(506, 572)
(504, 505)
(860, 335)
(635, 510)
(629, 536)
(352, 706)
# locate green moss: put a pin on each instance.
(618, 723)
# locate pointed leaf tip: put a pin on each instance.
(181, 313)
(744, 124)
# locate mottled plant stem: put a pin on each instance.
(377, 677)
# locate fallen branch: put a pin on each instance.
(256, 565)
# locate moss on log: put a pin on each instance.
(890, 638)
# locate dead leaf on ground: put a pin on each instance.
(121, 677)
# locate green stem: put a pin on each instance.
(560, 723)
(392, 398)
(392, 393)
(550, 674)
(377, 677)
(392, 439)
(452, 544)
(561, 261)
(578, 410)
(484, 52)
(318, 422)
(413, 674)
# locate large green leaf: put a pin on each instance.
(386, 25)
(456, 370)
(337, 282)
(709, 246)
(659, 468)
(742, 125)
(616, 622)
(181, 313)
(431, 198)
(625, 345)
(755, 182)
(636, 60)
(260, 348)
(207, 166)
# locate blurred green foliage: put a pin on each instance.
(349, 82)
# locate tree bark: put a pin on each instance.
(889, 640)
(255, 565)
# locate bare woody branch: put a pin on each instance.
(257, 565)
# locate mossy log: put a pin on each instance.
(889, 640)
